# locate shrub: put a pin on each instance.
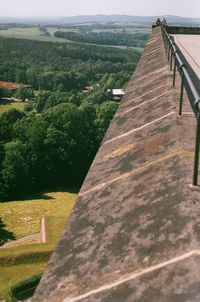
(25, 288)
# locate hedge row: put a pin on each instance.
(26, 258)
(25, 288)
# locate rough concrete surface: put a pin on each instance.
(134, 232)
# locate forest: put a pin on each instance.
(54, 140)
(105, 38)
(61, 67)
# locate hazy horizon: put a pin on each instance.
(65, 8)
(80, 15)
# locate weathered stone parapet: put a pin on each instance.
(134, 232)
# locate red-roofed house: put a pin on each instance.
(9, 85)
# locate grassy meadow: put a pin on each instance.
(13, 274)
(30, 33)
(6, 105)
(22, 218)
(34, 33)
(130, 30)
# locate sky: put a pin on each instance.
(186, 8)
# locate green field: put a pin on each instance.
(34, 33)
(31, 33)
(12, 275)
(52, 30)
(27, 260)
(6, 105)
(22, 217)
(130, 30)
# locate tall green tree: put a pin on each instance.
(105, 113)
(24, 93)
(7, 122)
(4, 93)
(5, 235)
(15, 174)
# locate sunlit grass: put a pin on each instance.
(30, 33)
(22, 217)
(6, 105)
(11, 275)
(35, 34)
(21, 262)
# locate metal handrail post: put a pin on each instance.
(181, 95)
(174, 75)
(196, 153)
(168, 51)
(171, 59)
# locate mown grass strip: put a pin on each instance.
(34, 252)
(26, 258)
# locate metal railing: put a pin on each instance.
(186, 81)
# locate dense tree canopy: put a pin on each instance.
(54, 140)
(24, 93)
(105, 38)
(61, 67)
(4, 93)
(55, 147)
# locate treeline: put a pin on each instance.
(105, 38)
(51, 148)
(61, 67)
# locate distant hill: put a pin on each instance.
(140, 20)
(127, 19)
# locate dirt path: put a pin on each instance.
(34, 238)
(40, 237)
